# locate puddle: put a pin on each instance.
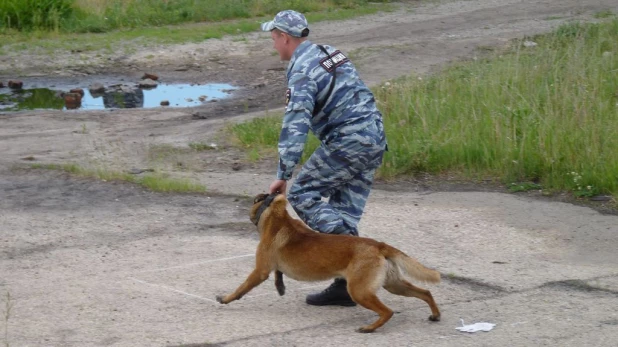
(115, 96)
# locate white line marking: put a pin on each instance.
(200, 263)
(173, 290)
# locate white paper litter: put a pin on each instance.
(472, 328)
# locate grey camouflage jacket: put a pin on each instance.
(350, 107)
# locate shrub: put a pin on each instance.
(34, 14)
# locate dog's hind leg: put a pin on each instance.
(402, 287)
(363, 288)
(279, 283)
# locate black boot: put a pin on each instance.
(335, 294)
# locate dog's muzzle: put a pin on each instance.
(265, 203)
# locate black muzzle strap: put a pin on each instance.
(267, 201)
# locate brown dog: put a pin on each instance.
(289, 246)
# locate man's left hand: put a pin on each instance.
(278, 186)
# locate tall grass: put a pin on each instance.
(105, 15)
(34, 14)
(546, 114)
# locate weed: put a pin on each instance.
(604, 14)
(7, 316)
(198, 146)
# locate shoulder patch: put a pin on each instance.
(334, 60)
(288, 95)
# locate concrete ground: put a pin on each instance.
(135, 268)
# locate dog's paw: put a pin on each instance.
(434, 318)
(364, 330)
(220, 299)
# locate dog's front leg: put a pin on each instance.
(255, 278)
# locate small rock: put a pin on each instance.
(606, 54)
(203, 98)
(189, 100)
(28, 158)
(135, 171)
(601, 198)
(77, 91)
(200, 115)
(530, 44)
(1, 84)
(15, 84)
(96, 88)
(165, 102)
(236, 166)
(72, 100)
(148, 83)
(150, 76)
(258, 85)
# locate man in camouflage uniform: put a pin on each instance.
(326, 96)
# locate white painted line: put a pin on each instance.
(200, 263)
(173, 290)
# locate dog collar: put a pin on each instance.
(267, 201)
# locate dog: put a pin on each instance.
(288, 246)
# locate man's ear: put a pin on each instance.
(286, 38)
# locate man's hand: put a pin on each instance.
(278, 186)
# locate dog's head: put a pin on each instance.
(261, 203)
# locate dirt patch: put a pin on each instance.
(416, 38)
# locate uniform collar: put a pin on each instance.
(299, 51)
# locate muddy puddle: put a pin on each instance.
(97, 96)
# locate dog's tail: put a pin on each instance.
(408, 265)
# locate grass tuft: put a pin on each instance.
(154, 182)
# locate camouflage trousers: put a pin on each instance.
(341, 170)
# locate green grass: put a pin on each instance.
(154, 182)
(147, 34)
(159, 183)
(261, 135)
(546, 115)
